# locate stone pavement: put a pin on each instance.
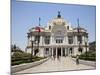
(64, 64)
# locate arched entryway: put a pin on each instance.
(63, 51)
(80, 50)
(59, 52)
(71, 50)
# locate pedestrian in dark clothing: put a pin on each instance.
(77, 59)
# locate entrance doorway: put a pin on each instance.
(63, 51)
(59, 51)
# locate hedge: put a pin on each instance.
(91, 56)
(19, 58)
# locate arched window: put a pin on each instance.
(49, 27)
(47, 39)
(80, 50)
(67, 27)
(37, 38)
(70, 39)
(47, 51)
(59, 36)
(79, 39)
(71, 50)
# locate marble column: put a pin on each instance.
(66, 39)
(75, 40)
(40, 40)
(65, 52)
(52, 51)
(43, 41)
(49, 52)
(33, 38)
(45, 52)
(83, 40)
(53, 41)
(56, 52)
(50, 39)
(42, 52)
(68, 52)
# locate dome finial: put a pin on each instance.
(59, 16)
(39, 21)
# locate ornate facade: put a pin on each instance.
(58, 39)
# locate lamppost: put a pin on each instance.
(79, 46)
(86, 48)
(36, 50)
(38, 36)
(78, 30)
(31, 47)
(31, 50)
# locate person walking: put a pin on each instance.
(77, 59)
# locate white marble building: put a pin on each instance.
(58, 38)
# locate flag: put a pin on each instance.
(38, 29)
(78, 28)
(39, 20)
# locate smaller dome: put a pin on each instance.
(80, 28)
(58, 20)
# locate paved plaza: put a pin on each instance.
(64, 64)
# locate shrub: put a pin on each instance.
(19, 58)
(88, 56)
(16, 62)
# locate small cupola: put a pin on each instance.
(58, 16)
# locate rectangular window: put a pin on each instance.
(49, 27)
(79, 38)
(37, 38)
(68, 27)
(59, 41)
(70, 39)
(47, 51)
(47, 39)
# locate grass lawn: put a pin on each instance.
(90, 56)
(21, 57)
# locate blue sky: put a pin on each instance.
(25, 15)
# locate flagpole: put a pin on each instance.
(39, 33)
(78, 34)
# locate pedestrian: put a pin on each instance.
(77, 59)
